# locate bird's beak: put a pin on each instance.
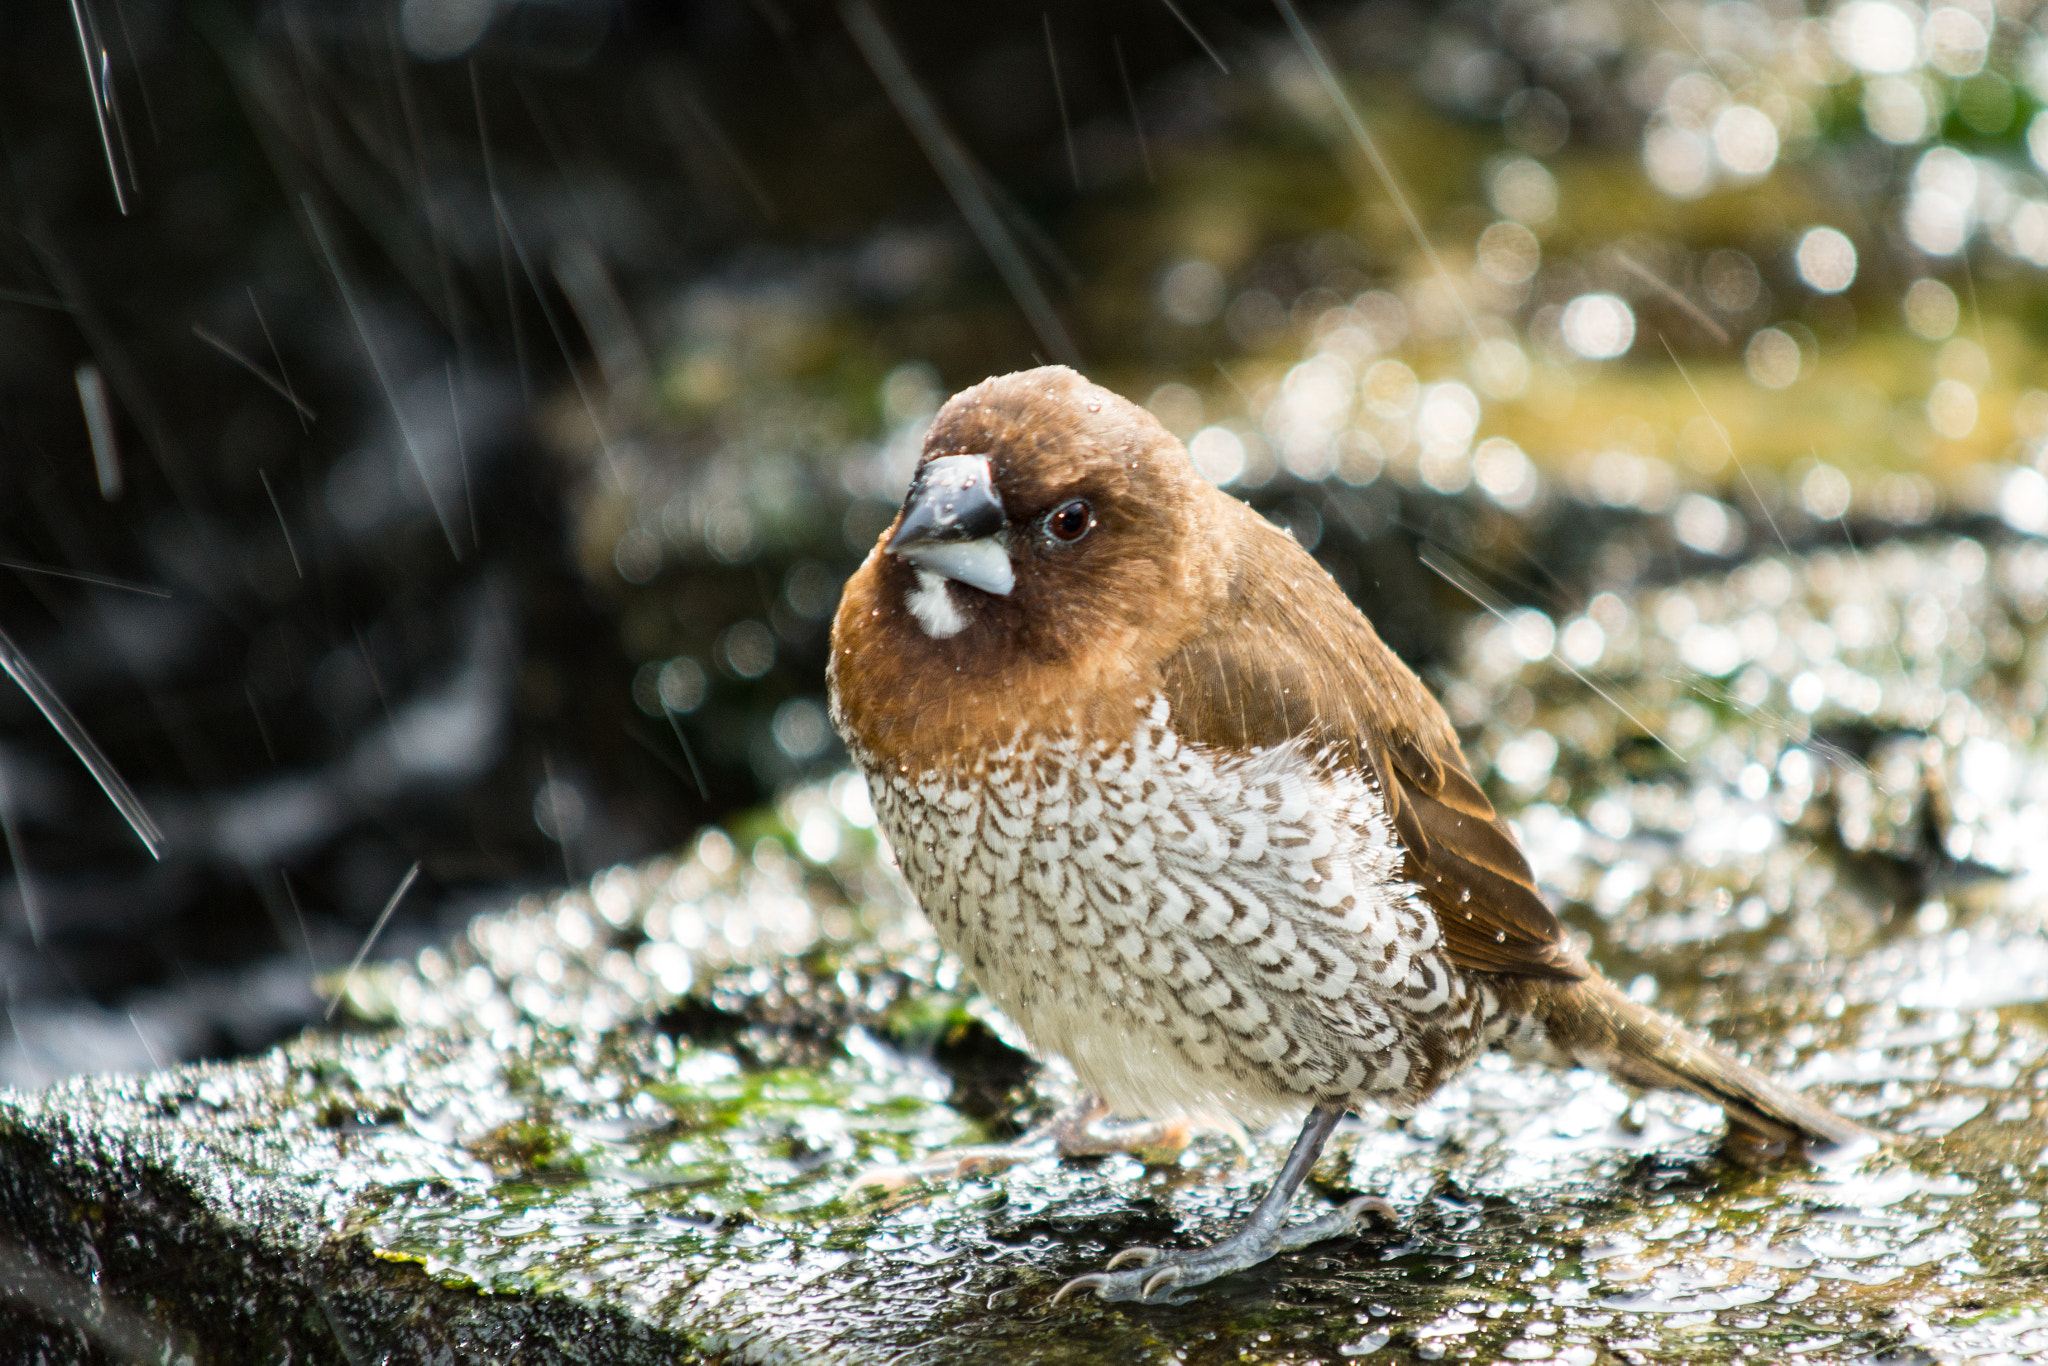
(953, 524)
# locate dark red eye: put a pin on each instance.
(1071, 522)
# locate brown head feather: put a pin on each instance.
(1056, 655)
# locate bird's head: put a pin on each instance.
(1046, 515)
(1051, 540)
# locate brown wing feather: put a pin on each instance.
(1287, 657)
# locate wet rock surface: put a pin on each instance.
(626, 1123)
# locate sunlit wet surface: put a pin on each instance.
(655, 1094)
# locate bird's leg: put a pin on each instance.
(1075, 1132)
(1072, 1132)
(1158, 1274)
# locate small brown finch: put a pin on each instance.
(1188, 821)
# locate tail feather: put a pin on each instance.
(1598, 1027)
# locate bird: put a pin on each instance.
(1191, 824)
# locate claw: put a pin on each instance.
(1260, 1237)
(1165, 1275)
(1094, 1280)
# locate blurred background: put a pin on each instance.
(433, 433)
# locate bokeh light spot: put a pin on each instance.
(1505, 473)
(1500, 368)
(1773, 358)
(2037, 139)
(1952, 409)
(1536, 120)
(1582, 642)
(1679, 162)
(1509, 253)
(1218, 454)
(436, 30)
(1824, 493)
(2023, 501)
(1448, 415)
(1745, 140)
(1931, 309)
(747, 649)
(1956, 41)
(1827, 260)
(1389, 389)
(559, 809)
(1941, 212)
(1523, 190)
(1986, 102)
(682, 685)
(1178, 407)
(1598, 326)
(1895, 110)
(637, 555)
(800, 730)
(1531, 633)
(1875, 37)
(1191, 293)
(1730, 280)
(1707, 525)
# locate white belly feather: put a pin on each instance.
(1196, 932)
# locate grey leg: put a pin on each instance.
(1158, 1274)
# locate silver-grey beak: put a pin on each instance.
(953, 524)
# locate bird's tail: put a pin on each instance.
(1596, 1026)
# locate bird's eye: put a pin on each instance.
(1071, 522)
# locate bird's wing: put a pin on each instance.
(1288, 659)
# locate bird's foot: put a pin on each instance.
(1077, 1132)
(1159, 1277)
(1073, 1132)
